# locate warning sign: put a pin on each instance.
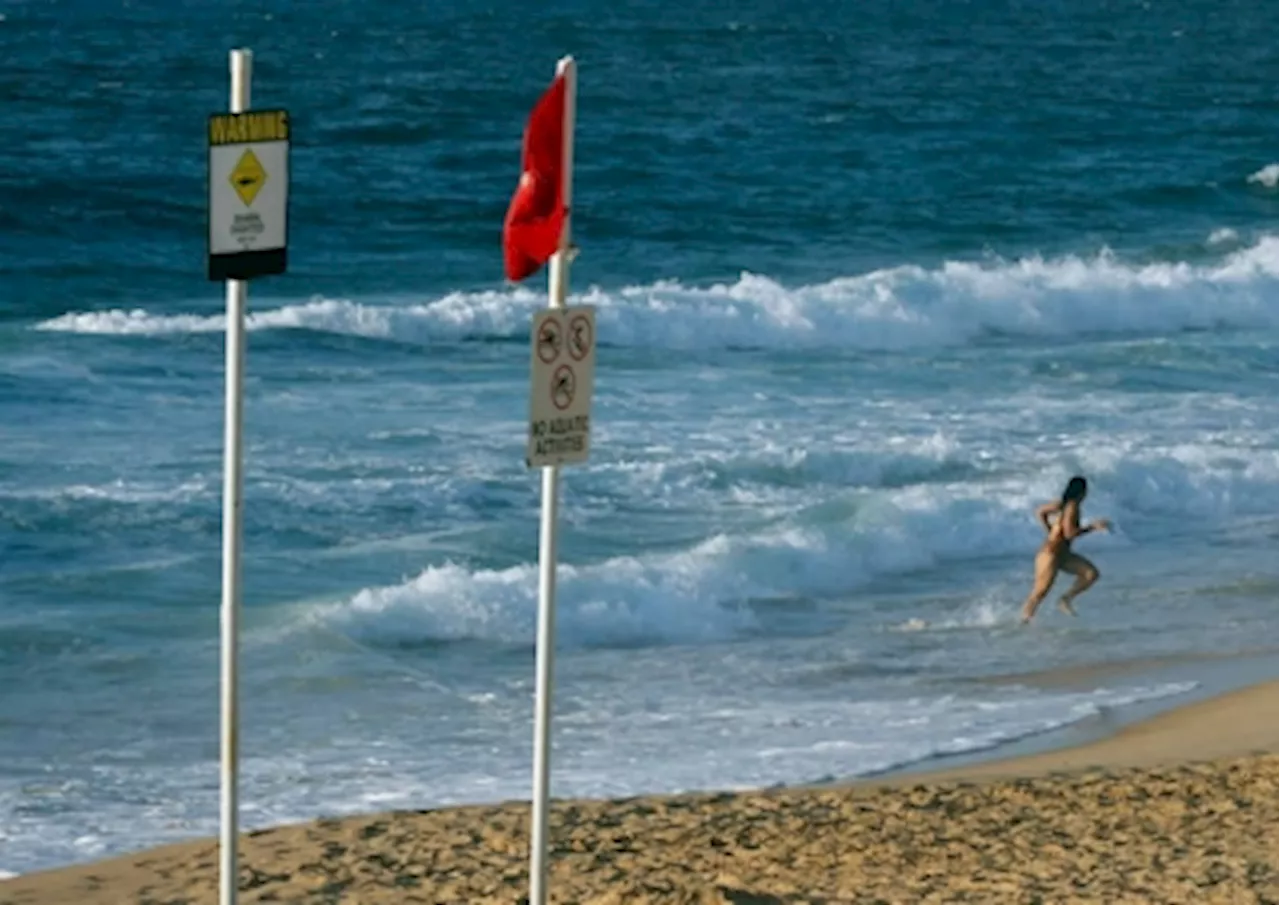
(563, 364)
(248, 194)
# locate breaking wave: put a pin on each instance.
(897, 307)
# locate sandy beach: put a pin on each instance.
(1181, 807)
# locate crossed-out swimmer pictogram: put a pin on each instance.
(579, 337)
(548, 340)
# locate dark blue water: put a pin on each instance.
(872, 280)
(803, 142)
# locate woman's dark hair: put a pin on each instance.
(1076, 489)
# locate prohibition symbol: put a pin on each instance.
(563, 387)
(579, 337)
(548, 340)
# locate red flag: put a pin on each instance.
(535, 217)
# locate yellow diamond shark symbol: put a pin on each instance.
(247, 177)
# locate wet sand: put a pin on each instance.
(1178, 808)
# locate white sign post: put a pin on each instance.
(248, 219)
(562, 375)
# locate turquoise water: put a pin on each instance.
(871, 283)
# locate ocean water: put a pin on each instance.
(872, 280)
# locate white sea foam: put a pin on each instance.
(631, 743)
(897, 307)
(834, 543)
(117, 491)
(1267, 176)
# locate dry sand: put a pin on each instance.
(1180, 808)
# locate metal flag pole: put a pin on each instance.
(558, 287)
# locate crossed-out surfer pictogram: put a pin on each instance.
(563, 387)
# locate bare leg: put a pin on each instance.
(1086, 574)
(1046, 572)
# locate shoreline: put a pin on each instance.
(1242, 722)
(1216, 753)
(1214, 676)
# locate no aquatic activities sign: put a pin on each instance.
(562, 377)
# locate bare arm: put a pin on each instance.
(1044, 512)
(1071, 527)
(1071, 532)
